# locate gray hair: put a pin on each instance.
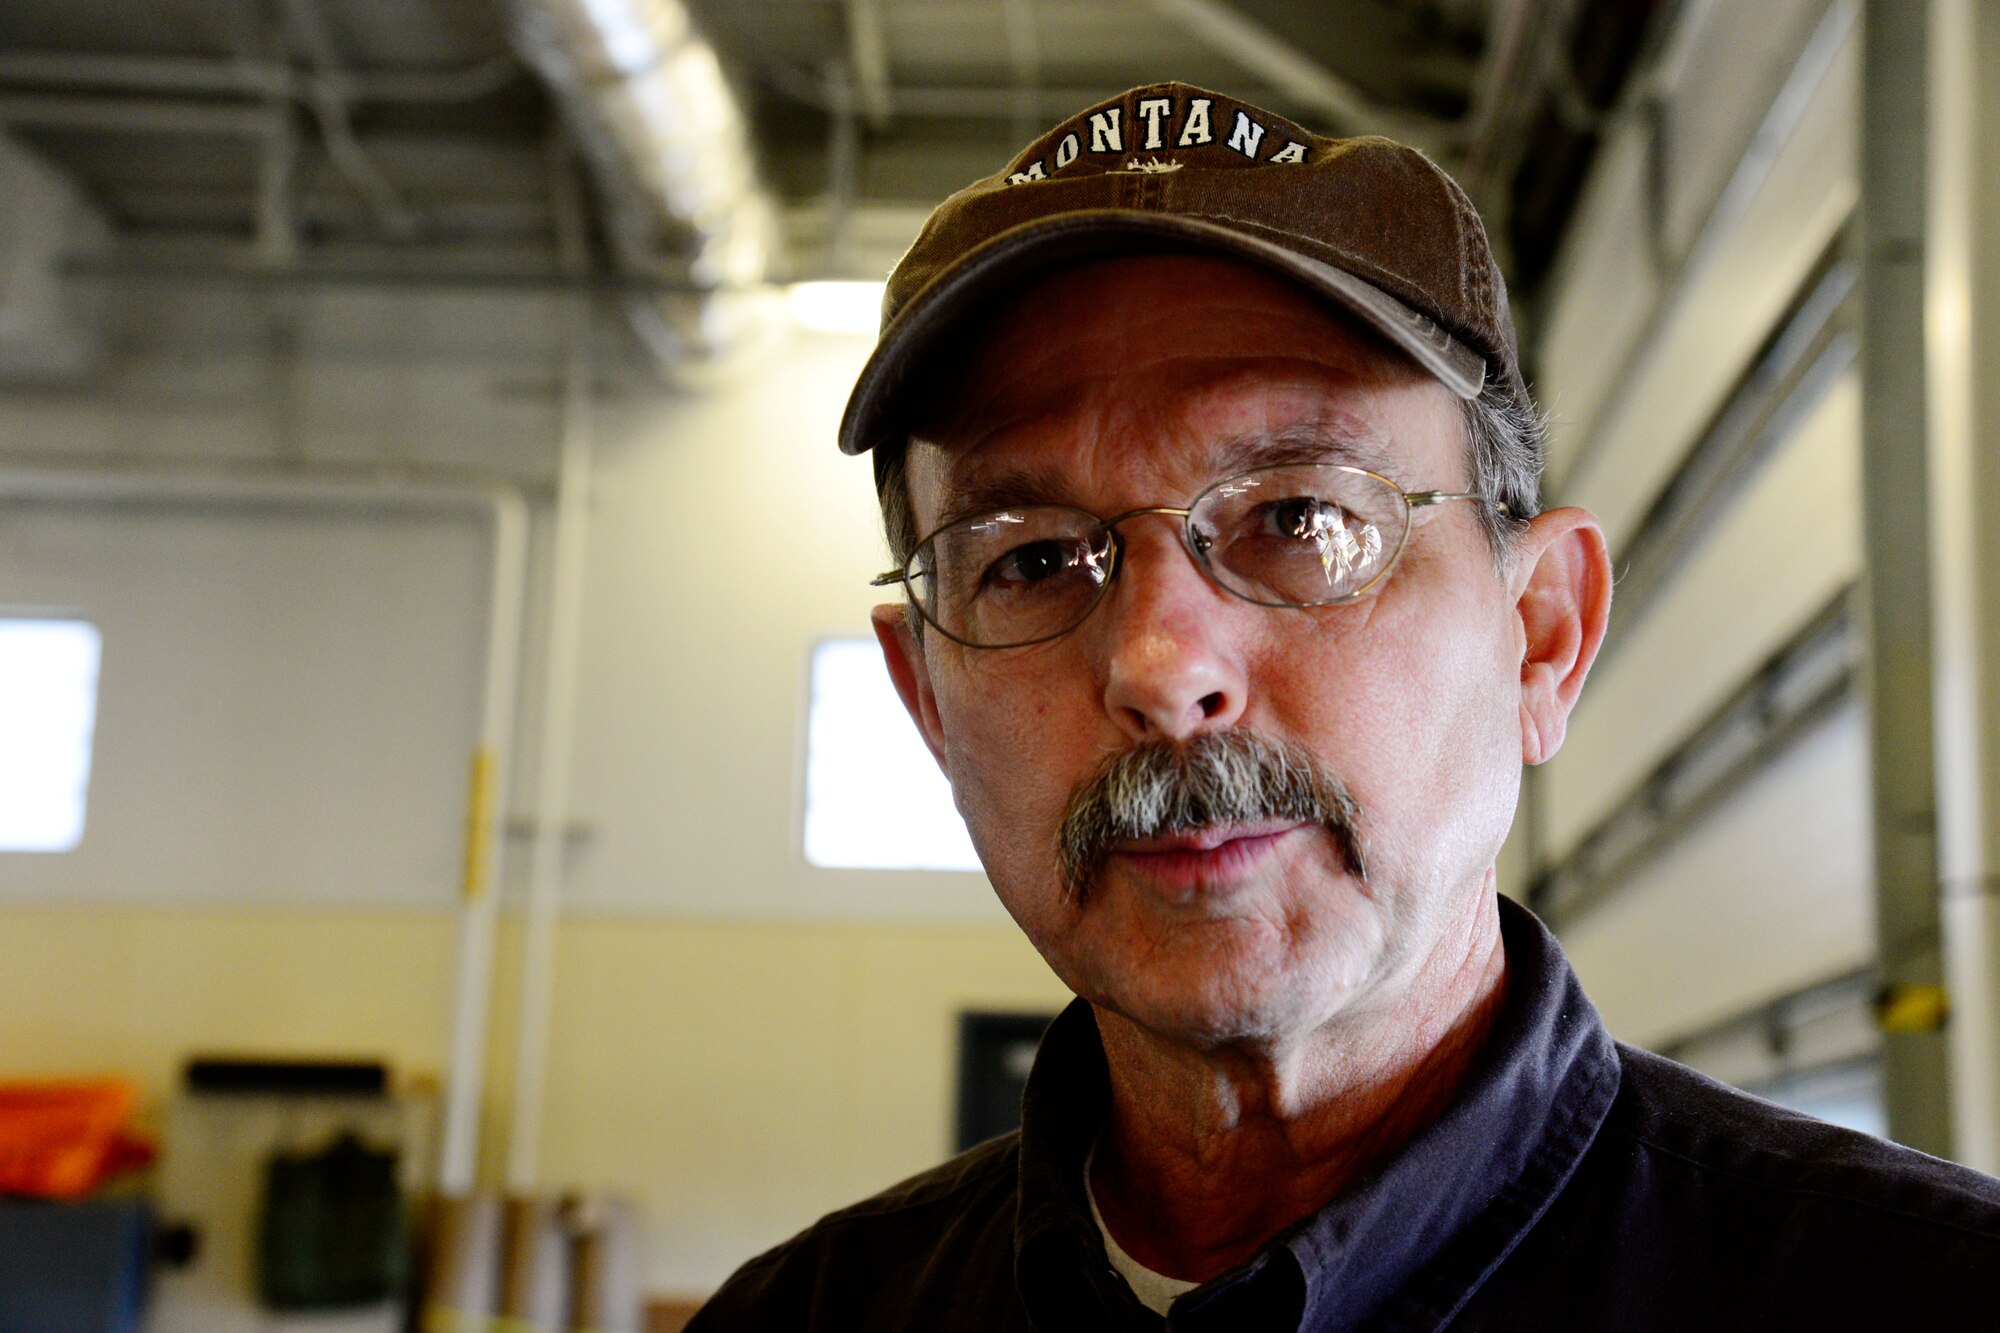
(1504, 435)
(1218, 779)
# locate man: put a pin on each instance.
(1231, 615)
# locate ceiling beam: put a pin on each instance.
(328, 101)
(144, 115)
(1262, 52)
(1024, 63)
(250, 78)
(1518, 46)
(967, 102)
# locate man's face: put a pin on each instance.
(1138, 382)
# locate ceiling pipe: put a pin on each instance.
(868, 53)
(1278, 61)
(145, 115)
(1504, 72)
(248, 78)
(670, 156)
(329, 105)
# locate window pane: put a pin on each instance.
(1846, 1094)
(874, 796)
(48, 710)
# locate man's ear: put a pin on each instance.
(1562, 585)
(904, 654)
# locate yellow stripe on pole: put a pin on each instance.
(445, 1319)
(1911, 1008)
(478, 819)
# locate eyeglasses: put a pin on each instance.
(1292, 535)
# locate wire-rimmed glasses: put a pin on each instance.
(1289, 535)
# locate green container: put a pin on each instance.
(334, 1232)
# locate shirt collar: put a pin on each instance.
(1402, 1248)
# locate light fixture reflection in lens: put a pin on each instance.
(835, 307)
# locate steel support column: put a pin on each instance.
(1963, 302)
(1895, 483)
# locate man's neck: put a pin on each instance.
(1211, 1153)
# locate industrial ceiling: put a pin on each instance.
(298, 136)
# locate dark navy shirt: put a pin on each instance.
(1575, 1183)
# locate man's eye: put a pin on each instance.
(1032, 563)
(1301, 517)
(1307, 532)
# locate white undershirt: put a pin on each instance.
(1156, 1291)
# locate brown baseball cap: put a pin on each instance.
(1369, 224)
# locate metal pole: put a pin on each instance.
(553, 764)
(1897, 580)
(572, 519)
(1963, 292)
(472, 992)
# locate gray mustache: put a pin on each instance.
(1224, 777)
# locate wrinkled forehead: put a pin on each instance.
(1042, 461)
(1170, 371)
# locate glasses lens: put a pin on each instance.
(1013, 576)
(1300, 536)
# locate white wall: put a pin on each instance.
(332, 654)
(1772, 892)
(727, 535)
(1784, 545)
(1677, 270)
(287, 697)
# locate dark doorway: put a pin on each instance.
(994, 1054)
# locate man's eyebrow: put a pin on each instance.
(1309, 442)
(1002, 490)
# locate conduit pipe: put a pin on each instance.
(558, 728)
(506, 512)
(558, 717)
(127, 74)
(1898, 416)
(1962, 290)
(1226, 29)
(126, 485)
(670, 155)
(484, 849)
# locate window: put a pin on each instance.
(48, 710)
(1848, 1093)
(874, 796)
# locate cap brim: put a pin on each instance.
(1101, 233)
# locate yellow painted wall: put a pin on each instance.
(739, 1079)
(136, 990)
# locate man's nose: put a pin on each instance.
(1173, 665)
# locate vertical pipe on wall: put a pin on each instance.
(1930, 423)
(479, 907)
(1964, 339)
(559, 705)
(1896, 484)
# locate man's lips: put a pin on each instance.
(1194, 858)
(1204, 839)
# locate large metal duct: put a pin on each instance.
(666, 142)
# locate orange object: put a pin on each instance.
(62, 1138)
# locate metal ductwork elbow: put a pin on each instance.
(669, 152)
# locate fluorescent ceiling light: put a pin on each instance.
(835, 307)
